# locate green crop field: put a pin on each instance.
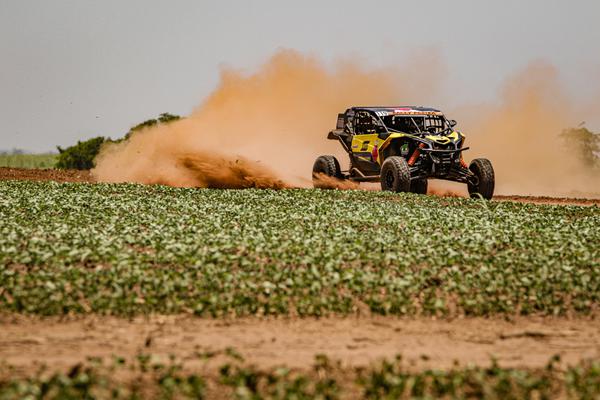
(133, 249)
(28, 160)
(152, 378)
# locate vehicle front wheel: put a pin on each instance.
(419, 186)
(395, 175)
(326, 166)
(485, 180)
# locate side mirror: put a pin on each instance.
(452, 123)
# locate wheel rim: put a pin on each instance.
(389, 179)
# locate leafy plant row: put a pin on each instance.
(148, 377)
(131, 249)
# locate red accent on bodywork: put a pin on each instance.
(375, 153)
(415, 155)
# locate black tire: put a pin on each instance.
(419, 186)
(395, 175)
(326, 165)
(483, 170)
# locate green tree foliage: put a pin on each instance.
(162, 119)
(81, 155)
(585, 144)
(166, 117)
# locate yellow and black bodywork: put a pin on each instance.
(371, 147)
(419, 138)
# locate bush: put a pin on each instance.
(81, 155)
(585, 144)
(163, 118)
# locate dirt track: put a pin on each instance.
(85, 176)
(549, 200)
(525, 342)
(44, 175)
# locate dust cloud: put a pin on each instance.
(323, 181)
(520, 134)
(265, 129)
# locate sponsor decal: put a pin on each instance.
(416, 112)
(404, 149)
(406, 111)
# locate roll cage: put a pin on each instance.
(420, 121)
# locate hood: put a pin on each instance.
(453, 137)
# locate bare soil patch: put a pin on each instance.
(58, 175)
(549, 200)
(27, 342)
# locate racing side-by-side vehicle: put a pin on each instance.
(402, 147)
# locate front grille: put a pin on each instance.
(443, 160)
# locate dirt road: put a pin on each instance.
(85, 176)
(59, 175)
(524, 342)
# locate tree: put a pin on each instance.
(166, 118)
(163, 118)
(81, 155)
(584, 143)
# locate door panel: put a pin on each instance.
(363, 146)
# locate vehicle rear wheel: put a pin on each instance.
(419, 186)
(483, 170)
(395, 175)
(328, 166)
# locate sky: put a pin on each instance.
(71, 70)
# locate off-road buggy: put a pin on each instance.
(402, 147)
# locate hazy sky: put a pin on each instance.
(76, 69)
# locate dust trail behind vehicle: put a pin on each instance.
(269, 127)
(273, 121)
